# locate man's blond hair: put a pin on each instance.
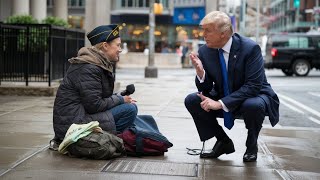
(220, 19)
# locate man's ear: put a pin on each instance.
(223, 34)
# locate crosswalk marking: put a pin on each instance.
(314, 94)
(314, 120)
(317, 113)
(291, 107)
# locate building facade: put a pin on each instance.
(36, 8)
(178, 22)
(293, 15)
(75, 12)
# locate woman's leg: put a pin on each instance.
(124, 116)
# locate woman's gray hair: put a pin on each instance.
(220, 19)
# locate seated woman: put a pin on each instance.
(86, 92)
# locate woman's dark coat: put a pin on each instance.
(86, 94)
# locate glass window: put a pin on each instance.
(82, 2)
(298, 42)
(130, 3)
(293, 42)
(316, 41)
(76, 21)
(72, 3)
(123, 3)
(140, 3)
(166, 3)
(303, 42)
(279, 41)
(50, 3)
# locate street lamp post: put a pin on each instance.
(316, 15)
(151, 71)
(296, 4)
(243, 16)
(258, 22)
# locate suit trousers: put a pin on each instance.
(252, 110)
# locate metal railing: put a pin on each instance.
(36, 52)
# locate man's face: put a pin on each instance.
(113, 49)
(212, 36)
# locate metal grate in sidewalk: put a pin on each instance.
(152, 167)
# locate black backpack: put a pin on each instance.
(97, 145)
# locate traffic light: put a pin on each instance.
(296, 3)
(158, 8)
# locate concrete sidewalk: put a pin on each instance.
(26, 128)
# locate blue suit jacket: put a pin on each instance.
(245, 74)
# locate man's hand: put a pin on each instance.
(208, 104)
(197, 64)
(128, 99)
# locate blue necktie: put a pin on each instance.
(228, 121)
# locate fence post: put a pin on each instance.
(65, 52)
(1, 51)
(50, 53)
(26, 71)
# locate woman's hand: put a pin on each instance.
(128, 99)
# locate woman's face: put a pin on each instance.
(112, 49)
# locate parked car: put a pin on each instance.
(293, 53)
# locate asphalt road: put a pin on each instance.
(299, 96)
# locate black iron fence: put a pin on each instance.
(36, 52)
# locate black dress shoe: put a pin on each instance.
(221, 147)
(250, 157)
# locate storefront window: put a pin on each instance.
(76, 21)
(141, 3)
(169, 37)
(136, 36)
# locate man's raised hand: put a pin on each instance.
(197, 64)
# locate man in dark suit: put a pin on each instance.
(240, 88)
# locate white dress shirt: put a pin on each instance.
(226, 51)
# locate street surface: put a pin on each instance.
(299, 96)
(287, 152)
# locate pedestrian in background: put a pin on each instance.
(231, 81)
(86, 92)
(184, 51)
